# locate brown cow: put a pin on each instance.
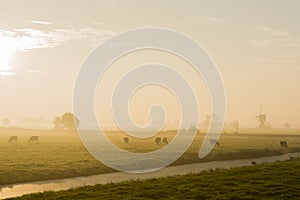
(165, 140)
(126, 140)
(33, 139)
(283, 144)
(13, 138)
(157, 140)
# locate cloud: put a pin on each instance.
(97, 22)
(275, 42)
(271, 31)
(27, 38)
(33, 71)
(213, 19)
(274, 38)
(5, 68)
(7, 73)
(41, 22)
(201, 19)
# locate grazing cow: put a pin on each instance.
(13, 138)
(253, 163)
(165, 140)
(214, 141)
(283, 144)
(33, 139)
(126, 140)
(157, 140)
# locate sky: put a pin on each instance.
(255, 44)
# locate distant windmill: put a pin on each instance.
(262, 120)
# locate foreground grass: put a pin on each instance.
(280, 180)
(60, 153)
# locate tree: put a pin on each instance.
(66, 121)
(57, 122)
(70, 121)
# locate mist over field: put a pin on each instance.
(100, 91)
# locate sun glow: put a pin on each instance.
(7, 50)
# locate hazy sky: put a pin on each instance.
(255, 44)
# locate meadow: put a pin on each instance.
(279, 180)
(60, 154)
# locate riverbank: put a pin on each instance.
(64, 184)
(277, 180)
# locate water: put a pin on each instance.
(15, 190)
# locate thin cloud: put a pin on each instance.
(97, 22)
(27, 39)
(201, 19)
(274, 38)
(7, 73)
(33, 71)
(41, 22)
(270, 31)
(213, 19)
(5, 68)
(275, 42)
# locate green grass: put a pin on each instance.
(280, 180)
(60, 153)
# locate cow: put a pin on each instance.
(13, 138)
(165, 140)
(253, 163)
(214, 141)
(126, 140)
(33, 139)
(283, 144)
(157, 140)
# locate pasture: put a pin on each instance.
(60, 154)
(278, 180)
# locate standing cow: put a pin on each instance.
(12, 139)
(126, 140)
(283, 144)
(158, 140)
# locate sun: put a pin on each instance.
(7, 50)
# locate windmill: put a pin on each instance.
(262, 120)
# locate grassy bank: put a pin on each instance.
(280, 180)
(60, 154)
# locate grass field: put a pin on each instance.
(280, 180)
(60, 154)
